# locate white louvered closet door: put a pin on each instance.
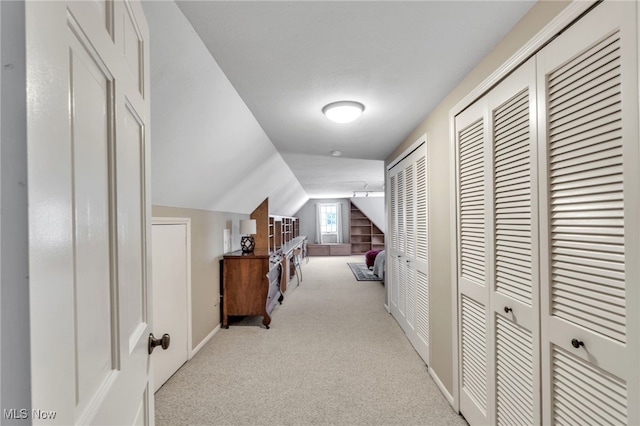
(588, 86)
(399, 254)
(408, 254)
(420, 261)
(392, 247)
(475, 332)
(498, 262)
(513, 238)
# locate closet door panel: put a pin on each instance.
(588, 82)
(516, 375)
(392, 248)
(514, 242)
(421, 260)
(476, 332)
(410, 243)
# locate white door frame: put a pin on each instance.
(182, 221)
(560, 22)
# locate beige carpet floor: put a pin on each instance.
(333, 356)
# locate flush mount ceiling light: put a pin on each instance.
(343, 111)
(336, 153)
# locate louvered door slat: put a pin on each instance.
(395, 277)
(518, 250)
(474, 363)
(513, 268)
(601, 203)
(585, 111)
(601, 87)
(574, 68)
(400, 211)
(570, 140)
(611, 122)
(514, 174)
(410, 313)
(517, 139)
(517, 163)
(514, 126)
(513, 166)
(613, 260)
(598, 161)
(393, 211)
(577, 107)
(470, 149)
(514, 374)
(576, 76)
(421, 210)
(422, 311)
(586, 393)
(587, 300)
(410, 220)
(472, 164)
(402, 287)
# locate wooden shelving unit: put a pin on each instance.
(365, 235)
(273, 231)
(272, 235)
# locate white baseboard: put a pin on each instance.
(387, 308)
(204, 341)
(442, 388)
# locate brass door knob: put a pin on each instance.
(164, 341)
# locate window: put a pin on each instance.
(328, 218)
(328, 226)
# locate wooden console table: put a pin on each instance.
(251, 285)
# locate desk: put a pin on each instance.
(287, 251)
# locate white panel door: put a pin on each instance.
(170, 297)
(588, 89)
(89, 205)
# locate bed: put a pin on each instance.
(378, 264)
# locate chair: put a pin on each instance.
(297, 258)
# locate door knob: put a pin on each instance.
(576, 343)
(164, 341)
(507, 309)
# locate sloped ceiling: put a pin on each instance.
(237, 89)
(208, 151)
(287, 59)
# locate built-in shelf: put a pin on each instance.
(365, 235)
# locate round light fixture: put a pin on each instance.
(336, 153)
(343, 111)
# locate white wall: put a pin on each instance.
(15, 371)
(207, 150)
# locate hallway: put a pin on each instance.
(333, 355)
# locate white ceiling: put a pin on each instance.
(288, 59)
